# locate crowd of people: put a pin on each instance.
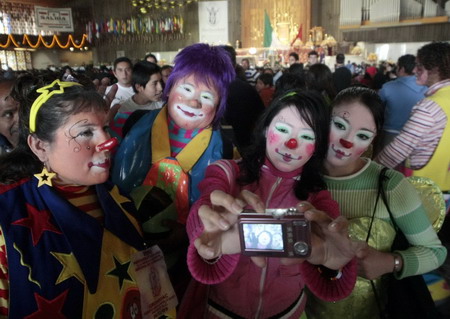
(121, 190)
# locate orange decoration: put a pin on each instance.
(55, 40)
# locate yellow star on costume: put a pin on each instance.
(45, 177)
(118, 197)
(71, 268)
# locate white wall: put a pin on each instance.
(41, 59)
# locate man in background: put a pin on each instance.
(399, 97)
(9, 117)
(122, 71)
(424, 142)
(342, 77)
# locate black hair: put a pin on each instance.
(295, 55)
(407, 62)
(310, 105)
(266, 78)
(436, 55)
(313, 52)
(370, 99)
(340, 58)
(150, 55)
(289, 81)
(54, 113)
(142, 72)
(122, 59)
(320, 78)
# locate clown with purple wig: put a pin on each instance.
(164, 156)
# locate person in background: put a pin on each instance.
(67, 74)
(313, 58)
(352, 180)
(146, 82)
(164, 155)
(424, 141)
(342, 76)
(265, 89)
(293, 58)
(122, 71)
(399, 97)
(165, 72)
(151, 58)
(67, 235)
(9, 117)
(251, 74)
(244, 106)
(290, 142)
(319, 78)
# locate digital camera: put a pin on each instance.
(279, 232)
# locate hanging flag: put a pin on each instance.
(299, 34)
(267, 31)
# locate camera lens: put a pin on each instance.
(301, 248)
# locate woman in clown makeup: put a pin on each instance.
(282, 169)
(357, 119)
(67, 235)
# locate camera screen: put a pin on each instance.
(263, 236)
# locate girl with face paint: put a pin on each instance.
(65, 230)
(356, 120)
(282, 169)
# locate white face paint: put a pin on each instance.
(352, 131)
(290, 140)
(192, 104)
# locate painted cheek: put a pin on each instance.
(310, 149)
(273, 138)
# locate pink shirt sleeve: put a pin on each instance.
(219, 176)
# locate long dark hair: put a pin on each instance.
(54, 113)
(312, 109)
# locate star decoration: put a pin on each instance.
(71, 268)
(45, 177)
(37, 221)
(121, 272)
(49, 308)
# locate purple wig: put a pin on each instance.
(211, 66)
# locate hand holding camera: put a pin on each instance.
(220, 235)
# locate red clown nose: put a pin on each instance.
(346, 143)
(292, 143)
(107, 145)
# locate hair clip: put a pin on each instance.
(292, 93)
(46, 92)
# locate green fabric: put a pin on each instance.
(267, 30)
(356, 196)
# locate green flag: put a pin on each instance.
(267, 30)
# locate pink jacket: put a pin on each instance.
(240, 288)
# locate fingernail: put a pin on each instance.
(301, 204)
(333, 224)
(224, 224)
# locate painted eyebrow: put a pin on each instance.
(362, 129)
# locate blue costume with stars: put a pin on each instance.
(64, 263)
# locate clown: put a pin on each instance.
(163, 158)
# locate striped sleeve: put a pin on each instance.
(418, 138)
(4, 282)
(426, 252)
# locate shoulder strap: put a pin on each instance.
(381, 177)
